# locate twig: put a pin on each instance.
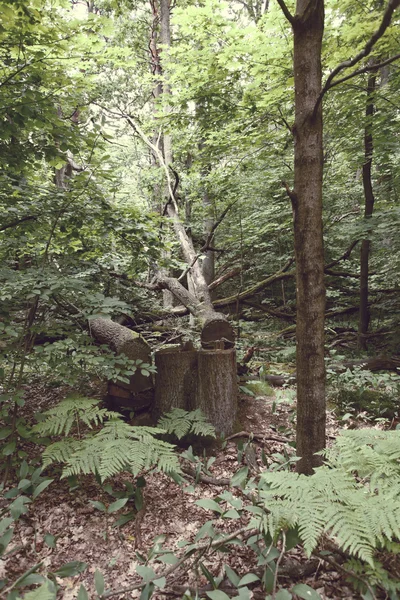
(259, 436)
(278, 562)
(205, 478)
(337, 565)
(183, 559)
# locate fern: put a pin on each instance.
(180, 423)
(354, 498)
(70, 411)
(116, 447)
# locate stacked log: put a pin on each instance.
(136, 394)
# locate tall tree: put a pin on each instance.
(368, 210)
(306, 198)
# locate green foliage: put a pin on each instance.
(115, 447)
(343, 499)
(361, 391)
(179, 422)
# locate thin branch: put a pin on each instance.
(386, 19)
(215, 225)
(344, 256)
(366, 69)
(18, 222)
(278, 562)
(286, 11)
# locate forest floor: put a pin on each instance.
(85, 534)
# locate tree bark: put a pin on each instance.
(217, 388)
(368, 210)
(124, 341)
(308, 27)
(175, 380)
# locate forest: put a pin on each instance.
(199, 299)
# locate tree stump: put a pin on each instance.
(217, 388)
(136, 394)
(175, 380)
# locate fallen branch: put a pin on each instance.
(260, 437)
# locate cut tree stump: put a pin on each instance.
(175, 380)
(136, 394)
(217, 388)
(204, 379)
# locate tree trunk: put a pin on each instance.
(368, 210)
(217, 388)
(308, 26)
(175, 380)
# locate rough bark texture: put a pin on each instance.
(217, 388)
(368, 210)
(204, 379)
(175, 380)
(124, 341)
(308, 26)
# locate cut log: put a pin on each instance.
(217, 388)
(216, 328)
(175, 380)
(124, 341)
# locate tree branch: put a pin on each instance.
(366, 69)
(286, 11)
(18, 222)
(386, 19)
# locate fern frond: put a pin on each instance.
(60, 452)
(180, 423)
(61, 418)
(354, 498)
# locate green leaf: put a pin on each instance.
(147, 591)
(18, 508)
(168, 559)
(42, 486)
(71, 569)
(283, 595)
(5, 539)
(231, 514)
(217, 595)
(239, 478)
(160, 583)
(45, 592)
(232, 576)
(305, 591)
(123, 519)
(98, 505)
(209, 504)
(82, 594)
(145, 572)
(9, 448)
(248, 578)
(31, 579)
(208, 575)
(4, 523)
(117, 505)
(50, 540)
(99, 582)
